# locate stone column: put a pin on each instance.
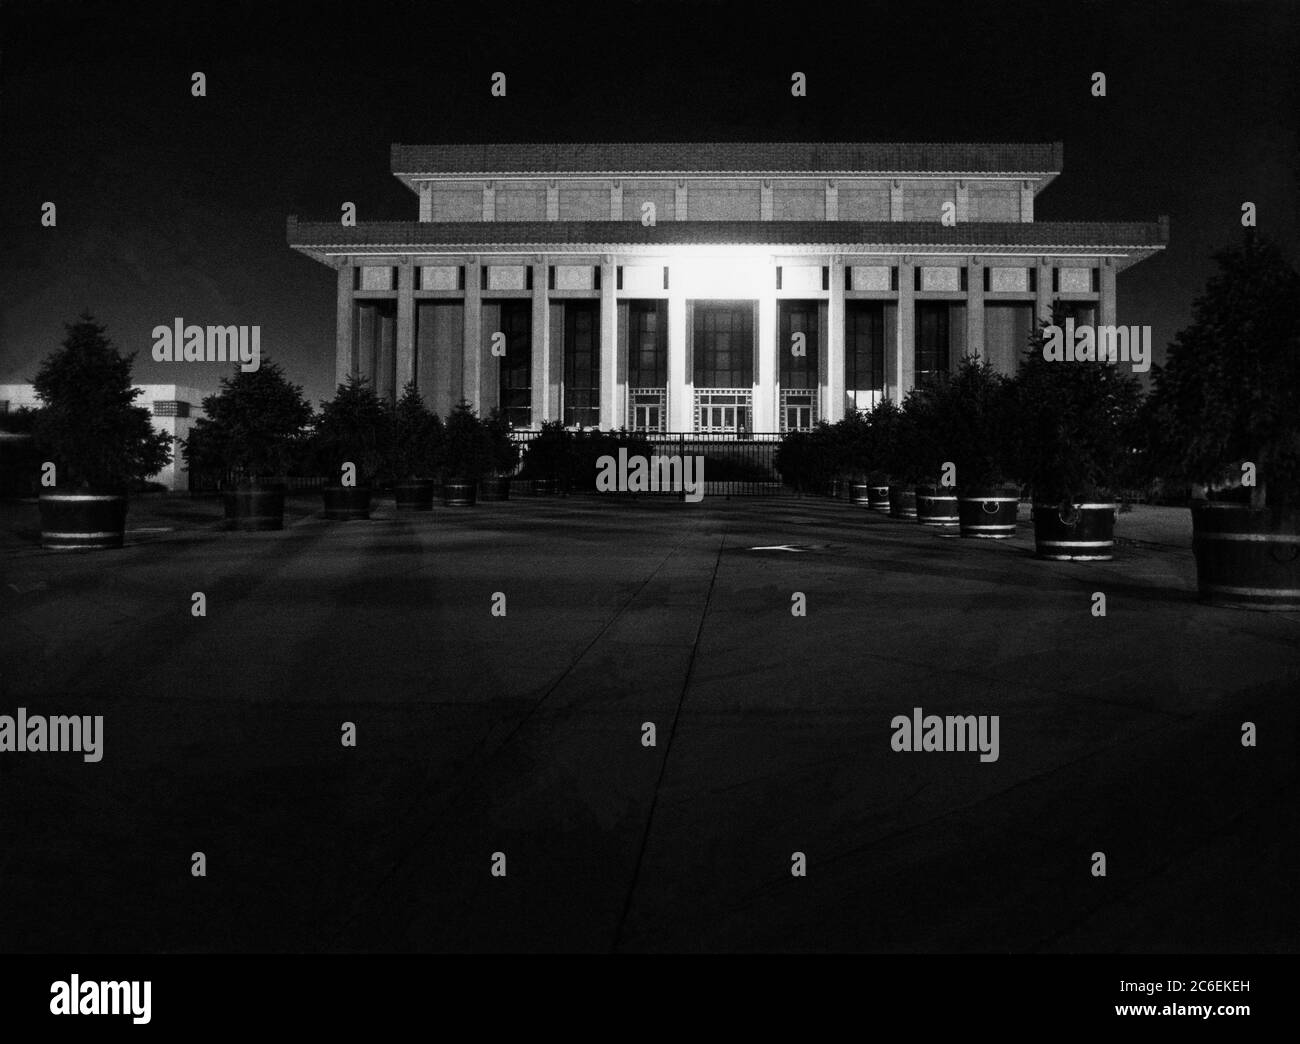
(344, 352)
(767, 371)
(975, 309)
(1026, 201)
(405, 325)
(489, 201)
(962, 201)
(1043, 298)
(679, 202)
(616, 200)
(610, 407)
(681, 406)
(426, 201)
(1106, 313)
(765, 200)
(905, 351)
(833, 394)
(541, 341)
(473, 344)
(895, 201)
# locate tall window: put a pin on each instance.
(723, 344)
(798, 317)
(582, 363)
(864, 352)
(647, 344)
(932, 330)
(377, 345)
(515, 395)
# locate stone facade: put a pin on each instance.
(713, 287)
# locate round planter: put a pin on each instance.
(346, 503)
(878, 497)
(82, 521)
(902, 502)
(494, 488)
(859, 493)
(255, 510)
(1075, 533)
(936, 506)
(414, 495)
(988, 512)
(1247, 558)
(459, 494)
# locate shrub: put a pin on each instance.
(1230, 389)
(415, 438)
(88, 425)
(1076, 423)
(253, 427)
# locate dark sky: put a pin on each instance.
(170, 205)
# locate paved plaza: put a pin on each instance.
(523, 734)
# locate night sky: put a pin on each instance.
(170, 205)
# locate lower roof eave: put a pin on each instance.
(334, 254)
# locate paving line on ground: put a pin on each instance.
(668, 749)
(478, 759)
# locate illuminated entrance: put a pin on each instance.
(722, 350)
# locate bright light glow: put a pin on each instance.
(745, 277)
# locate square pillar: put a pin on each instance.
(975, 310)
(681, 405)
(767, 372)
(833, 393)
(895, 201)
(1106, 314)
(610, 412)
(616, 201)
(473, 345)
(832, 201)
(344, 354)
(541, 340)
(679, 202)
(552, 202)
(1026, 201)
(405, 325)
(962, 201)
(765, 200)
(489, 201)
(905, 348)
(1043, 297)
(426, 201)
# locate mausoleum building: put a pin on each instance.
(747, 288)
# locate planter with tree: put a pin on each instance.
(99, 442)
(882, 450)
(466, 458)
(855, 457)
(1228, 416)
(415, 442)
(352, 432)
(251, 432)
(1076, 424)
(502, 458)
(974, 421)
(927, 452)
(549, 460)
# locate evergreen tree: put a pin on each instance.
(253, 425)
(1230, 390)
(88, 424)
